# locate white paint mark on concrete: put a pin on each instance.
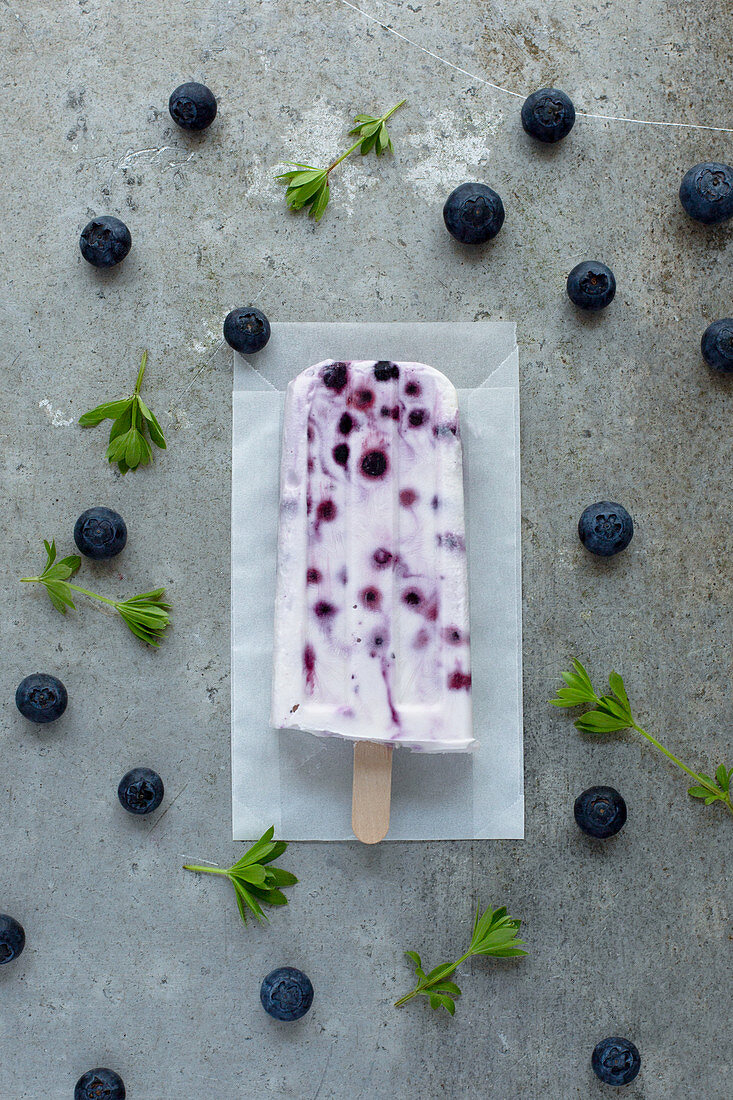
(447, 151)
(56, 416)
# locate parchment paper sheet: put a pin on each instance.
(302, 783)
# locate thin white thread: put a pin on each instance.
(508, 91)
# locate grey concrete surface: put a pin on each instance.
(132, 963)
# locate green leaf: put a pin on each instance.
(318, 208)
(596, 722)
(449, 1004)
(569, 697)
(435, 1000)
(707, 778)
(712, 798)
(368, 144)
(583, 674)
(610, 706)
(698, 792)
(415, 958)
(254, 874)
(383, 140)
(110, 410)
(722, 777)
(156, 432)
(248, 900)
(616, 685)
(50, 552)
(447, 987)
(133, 450)
(123, 423)
(284, 878)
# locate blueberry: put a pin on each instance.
(548, 115)
(605, 528)
(341, 453)
(473, 213)
(246, 329)
(12, 938)
(100, 533)
(717, 345)
(105, 241)
(41, 698)
(706, 192)
(591, 285)
(140, 791)
(616, 1061)
(100, 1084)
(286, 993)
(600, 812)
(192, 106)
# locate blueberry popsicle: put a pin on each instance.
(371, 614)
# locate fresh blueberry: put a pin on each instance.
(140, 791)
(12, 938)
(192, 106)
(548, 115)
(100, 533)
(246, 330)
(605, 528)
(600, 812)
(717, 345)
(706, 192)
(100, 1084)
(41, 698)
(616, 1061)
(286, 993)
(591, 285)
(473, 213)
(105, 241)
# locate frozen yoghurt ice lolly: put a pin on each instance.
(371, 612)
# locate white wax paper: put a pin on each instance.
(300, 783)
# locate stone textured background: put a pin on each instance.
(132, 963)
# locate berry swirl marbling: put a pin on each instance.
(371, 611)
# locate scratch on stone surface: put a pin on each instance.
(56, 416)
(23, 26)
(325, 1071)
(168, 807)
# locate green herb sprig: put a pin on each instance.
(309, 186)
(612, 712)
(494, 933)
(146, 615)
(128, 445)
(255, 881)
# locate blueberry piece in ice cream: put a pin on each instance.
(335, 376)
(374, 464)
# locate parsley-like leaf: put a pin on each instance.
(131, 417)
(146, 615)
(611, 713)
(309, 186)
(254, 878)
(494, 933)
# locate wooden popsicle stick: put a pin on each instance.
(372, 791)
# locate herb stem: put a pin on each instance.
(204, 870)
(93, 595)
(421, 986)
(667, 753)
(344, 156)
(141, 372)
(361, 139)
